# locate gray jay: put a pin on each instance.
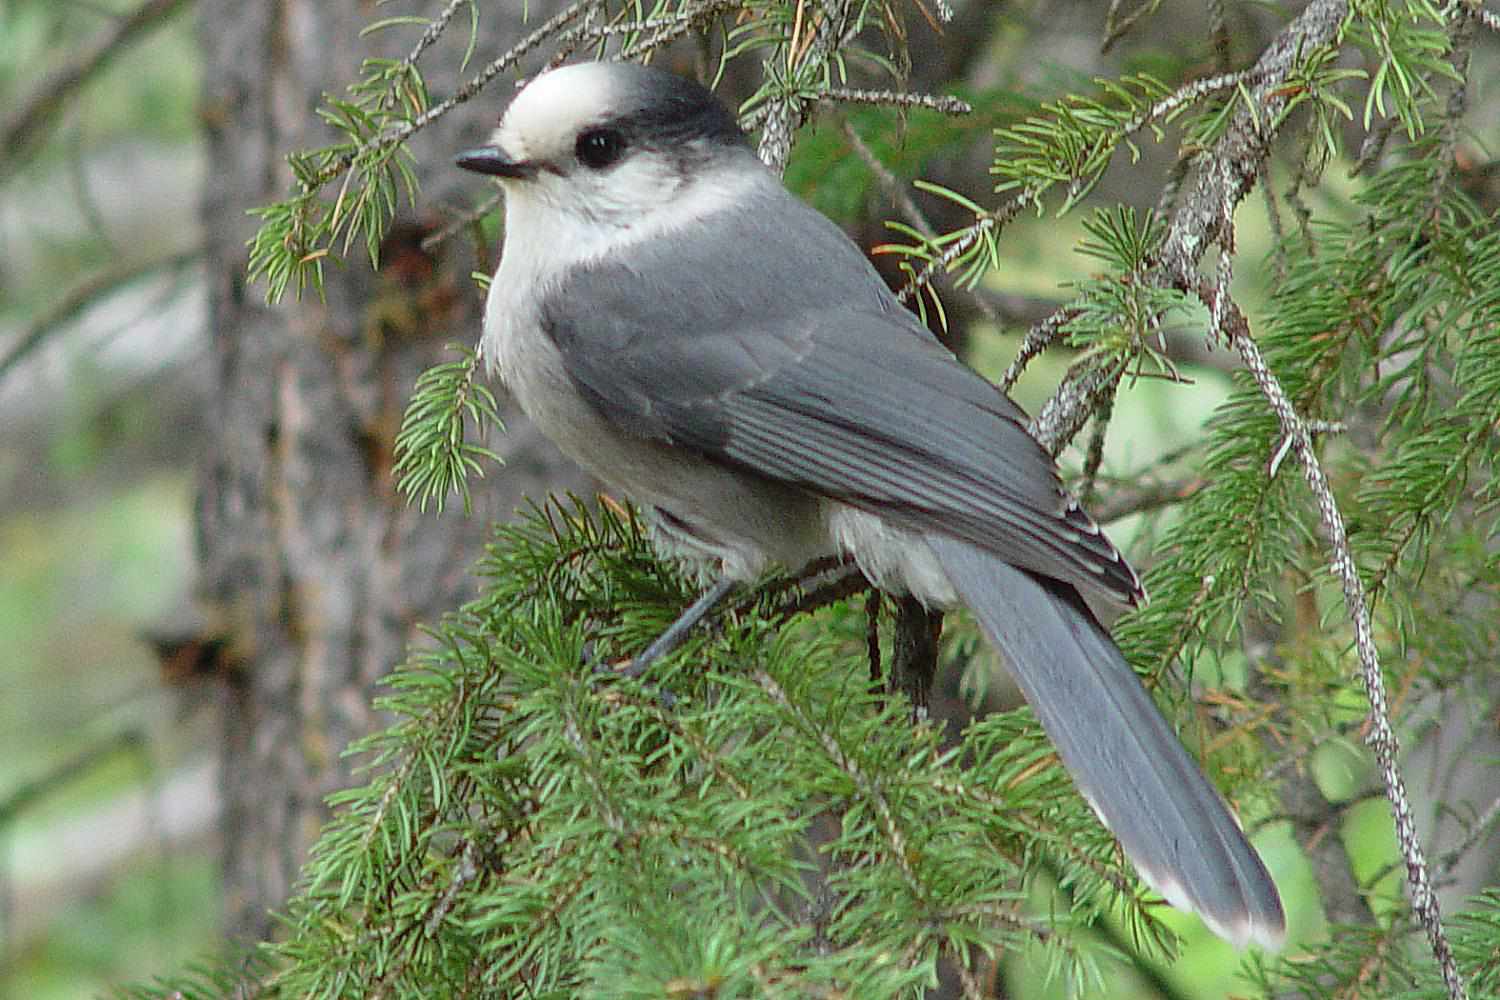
(696, 337)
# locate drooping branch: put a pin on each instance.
(1204, 218)
(1381, 736)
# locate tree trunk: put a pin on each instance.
(319, 569)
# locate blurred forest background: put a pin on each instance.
(133, 746)
(107, 787)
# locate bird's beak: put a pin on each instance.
(496, 162)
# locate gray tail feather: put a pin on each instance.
(1122, 754)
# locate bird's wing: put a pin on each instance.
(844, 395)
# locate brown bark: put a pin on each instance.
(319, 567)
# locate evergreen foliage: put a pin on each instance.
(755, 818)
(436, 452)
(752, 820)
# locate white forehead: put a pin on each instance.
(548, 112)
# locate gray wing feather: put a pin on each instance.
(830, 385)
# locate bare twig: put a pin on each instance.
(21, 799)
(1372, 146)
(891, 184)
(1037, 339)
(1094, 456)
(35, 112)
(895, 98)
(1064, 415)
(1204, 218)
(1142, 498)
(464, 872)
(1116, 27)
(1483, 825)
(1460, 45)
(462, 221)
(1219, 32)
(1381, 736)
(985, 224)
(898, 193)
(1273, 219)
(435, 29)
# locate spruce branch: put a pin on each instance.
(1381, 737)
(434, 453)
(973, 248)
(681, 24)
(869, 791)
(531, 804)
(941, 103)
(405, 130)
(1460, 47)
(1072, 141)
(387, 108)
(797, 70)
(1207, 216)
(1028, 161)
(1238, 157)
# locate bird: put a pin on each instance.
(695, 336)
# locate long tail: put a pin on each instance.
(1122, 754)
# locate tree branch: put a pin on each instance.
(35, 113)
(1205, 217)
(1381, 737)
(81, 296)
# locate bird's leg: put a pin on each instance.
(678, 630)
(914, 651)
(673, 637)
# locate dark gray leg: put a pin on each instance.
(678, 630)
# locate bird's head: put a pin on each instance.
(609, 143)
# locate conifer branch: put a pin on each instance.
(1207, 216)
(521, 804)
(679, 25)
(1381, 737)
(941, 103)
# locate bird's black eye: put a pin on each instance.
(597, 148)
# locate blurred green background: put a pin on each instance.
(107, 814)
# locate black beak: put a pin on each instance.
(492, 160)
